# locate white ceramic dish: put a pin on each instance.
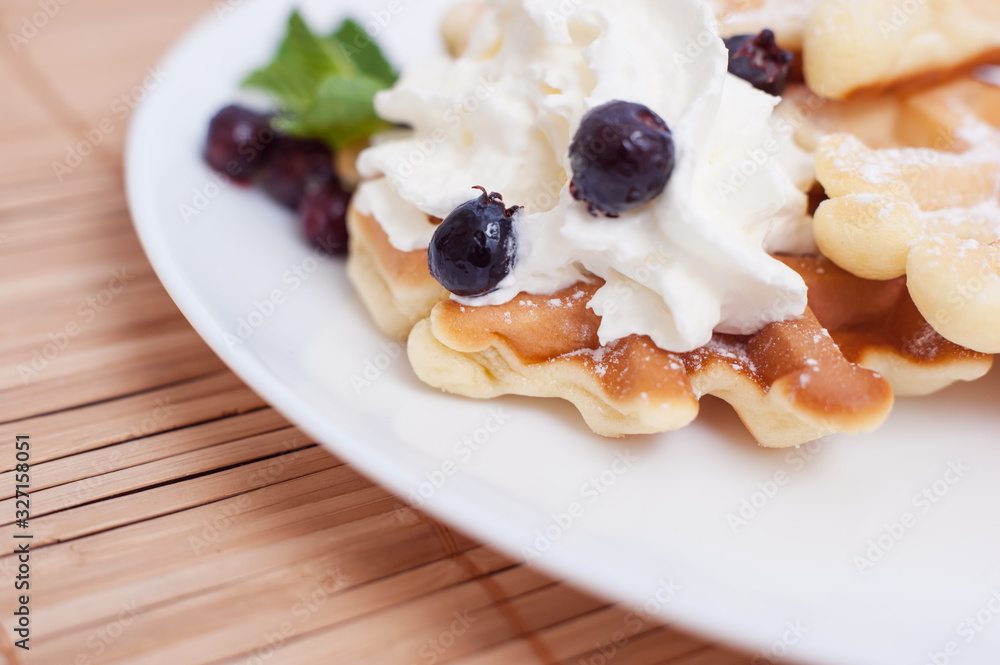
(624, 529)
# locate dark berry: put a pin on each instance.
(759, 60)
(239, 142)
(473, 249)
(622, 157)
(323, 213)
(293, 164)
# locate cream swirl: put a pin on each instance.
(692, 261)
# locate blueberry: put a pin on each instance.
(239, 142)
(323, 214)
(622, 157)
(473, 249)
(759, 60)
(294, 163)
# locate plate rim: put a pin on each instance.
(704, 617)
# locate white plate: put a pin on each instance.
(660, 520)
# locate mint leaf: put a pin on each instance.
(364, 54)
(343, 110)
(298, 68)
(326, 86)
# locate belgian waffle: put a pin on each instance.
(791, 382)
(930, 213)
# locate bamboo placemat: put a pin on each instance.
(175, 517)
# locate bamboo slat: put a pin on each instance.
(125, 481)
(89, 427)
(95, 464)
(47, 198)
(176, 517)
(254, 519)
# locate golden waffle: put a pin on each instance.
(789, 383)
(924, 119)
(458, 24)
(877, 326)
(787, 18)
(930, 213)
(395, 286)
(857, 47)
(875, 121)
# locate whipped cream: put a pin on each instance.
(693, 261)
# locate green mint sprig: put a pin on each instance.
(326, 85)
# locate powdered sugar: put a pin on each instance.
(894, 174)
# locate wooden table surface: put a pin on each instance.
(176, 517)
